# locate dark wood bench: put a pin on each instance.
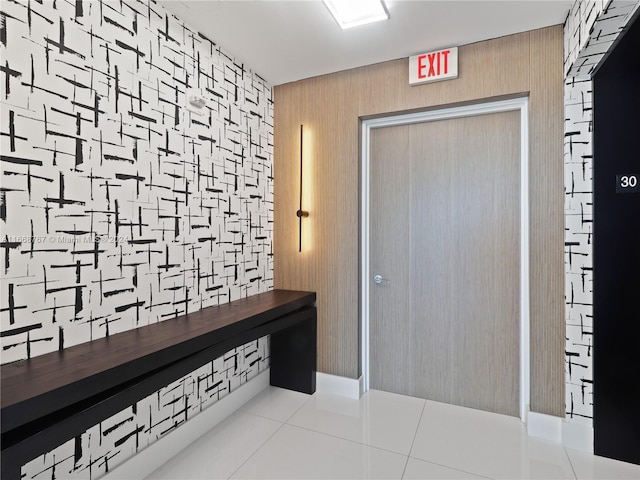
(52, 398)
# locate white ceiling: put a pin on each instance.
(288, 40)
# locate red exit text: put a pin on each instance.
(433, 66)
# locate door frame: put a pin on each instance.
(520, 104)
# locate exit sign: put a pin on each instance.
(433, 66)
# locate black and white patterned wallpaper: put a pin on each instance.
(119, 207)
(582, 16)
(116, 439)
(578, 247)
(590, 31)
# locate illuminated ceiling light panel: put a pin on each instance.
(352, 13)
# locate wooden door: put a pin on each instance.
(445, 238)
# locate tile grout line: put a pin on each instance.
(454, 468)
(344, 439)
(282, 424)
(408, 456)
(350, 441)
(413, 441)
(575, 475)
(310, 429)
(299, 408)
(427, 461)
(277, 419)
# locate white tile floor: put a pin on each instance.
(287, 435)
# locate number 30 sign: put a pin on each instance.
(629, 183)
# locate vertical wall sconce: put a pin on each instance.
(301, 213)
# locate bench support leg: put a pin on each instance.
(293, 355)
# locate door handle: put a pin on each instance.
(378, 279)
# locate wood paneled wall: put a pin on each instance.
(330, 108)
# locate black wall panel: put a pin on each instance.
(617, 251)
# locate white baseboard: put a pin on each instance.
(148, 460)
(544, 426)
(335, 385)
(578, 436)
